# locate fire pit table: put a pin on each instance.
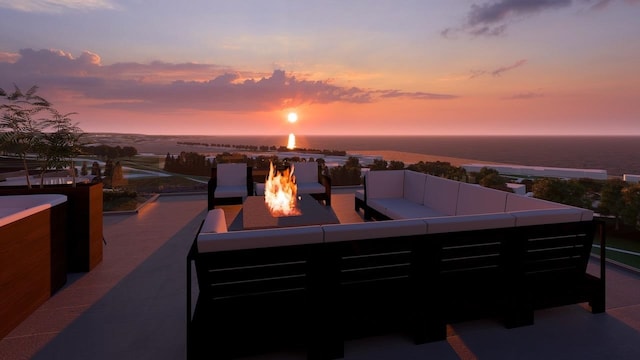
(255, 214)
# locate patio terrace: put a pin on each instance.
(132, 305)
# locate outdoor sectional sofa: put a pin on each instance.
(471, 252)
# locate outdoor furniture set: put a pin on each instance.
(438, 252)
(231, 183)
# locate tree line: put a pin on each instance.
(612, 197)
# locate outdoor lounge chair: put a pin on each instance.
(230, 183)
(310, 180)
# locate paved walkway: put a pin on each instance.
(132, 306)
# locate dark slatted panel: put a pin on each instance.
(374, 260)
(245, 273)
(555, 249)
(476, 257)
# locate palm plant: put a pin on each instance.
(60, 142)
(20, 130)
(53, 138)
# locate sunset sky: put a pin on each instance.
(432, 67)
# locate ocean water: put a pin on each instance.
(617, 154)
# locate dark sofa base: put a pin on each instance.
(412, 284)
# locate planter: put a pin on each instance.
(84, 221)
(32, 254)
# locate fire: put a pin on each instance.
(280, 192)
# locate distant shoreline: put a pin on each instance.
(409, 158)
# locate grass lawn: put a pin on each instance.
(626, 239)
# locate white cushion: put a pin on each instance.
(436, 225)
(310, 188)
(359, 194)
(517, 202)
(586, 214)
(373, 230)
(414, 183)
(441, 194)
(547, 216)
(214, 222)
(384, 184)
(230, 191)
(401, 209)
(231, 174)
(476, 199)
(305, 172)
(261, 238)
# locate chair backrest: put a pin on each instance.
(231, 174)
(306, 172)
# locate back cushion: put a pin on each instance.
(306, 172)
(441, 194)
(414, 183)
(518, 202)
(476, 199)
(384, 184)
(231, 174)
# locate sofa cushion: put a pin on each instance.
(443, 224)
(310, 188)
(384, 184)
(230, 191)
(441, 194)
(517, 202)
(231, 174)
(401, 209)
(306, 172)
(547, 216)
(476, 199)
(586, 214)
(373, 230)
(413, 188)
(214, 222)
(250, 239)
(359, 194)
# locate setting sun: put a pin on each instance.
(292, 117)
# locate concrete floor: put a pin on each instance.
(132, 305)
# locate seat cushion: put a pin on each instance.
(445, 224)
(262, 238)
(547, 216)
(373, 230)
(230, 191)
(310, 188)
(401, 209)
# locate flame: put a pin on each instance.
(280, 192)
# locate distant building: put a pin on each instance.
(540, 171)
(520, 189)
(631, 178)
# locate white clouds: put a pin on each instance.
(57, 6)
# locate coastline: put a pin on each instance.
(409, 158)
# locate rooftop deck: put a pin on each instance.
(132, 305)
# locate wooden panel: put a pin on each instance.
(25, 263)
(85, 226)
